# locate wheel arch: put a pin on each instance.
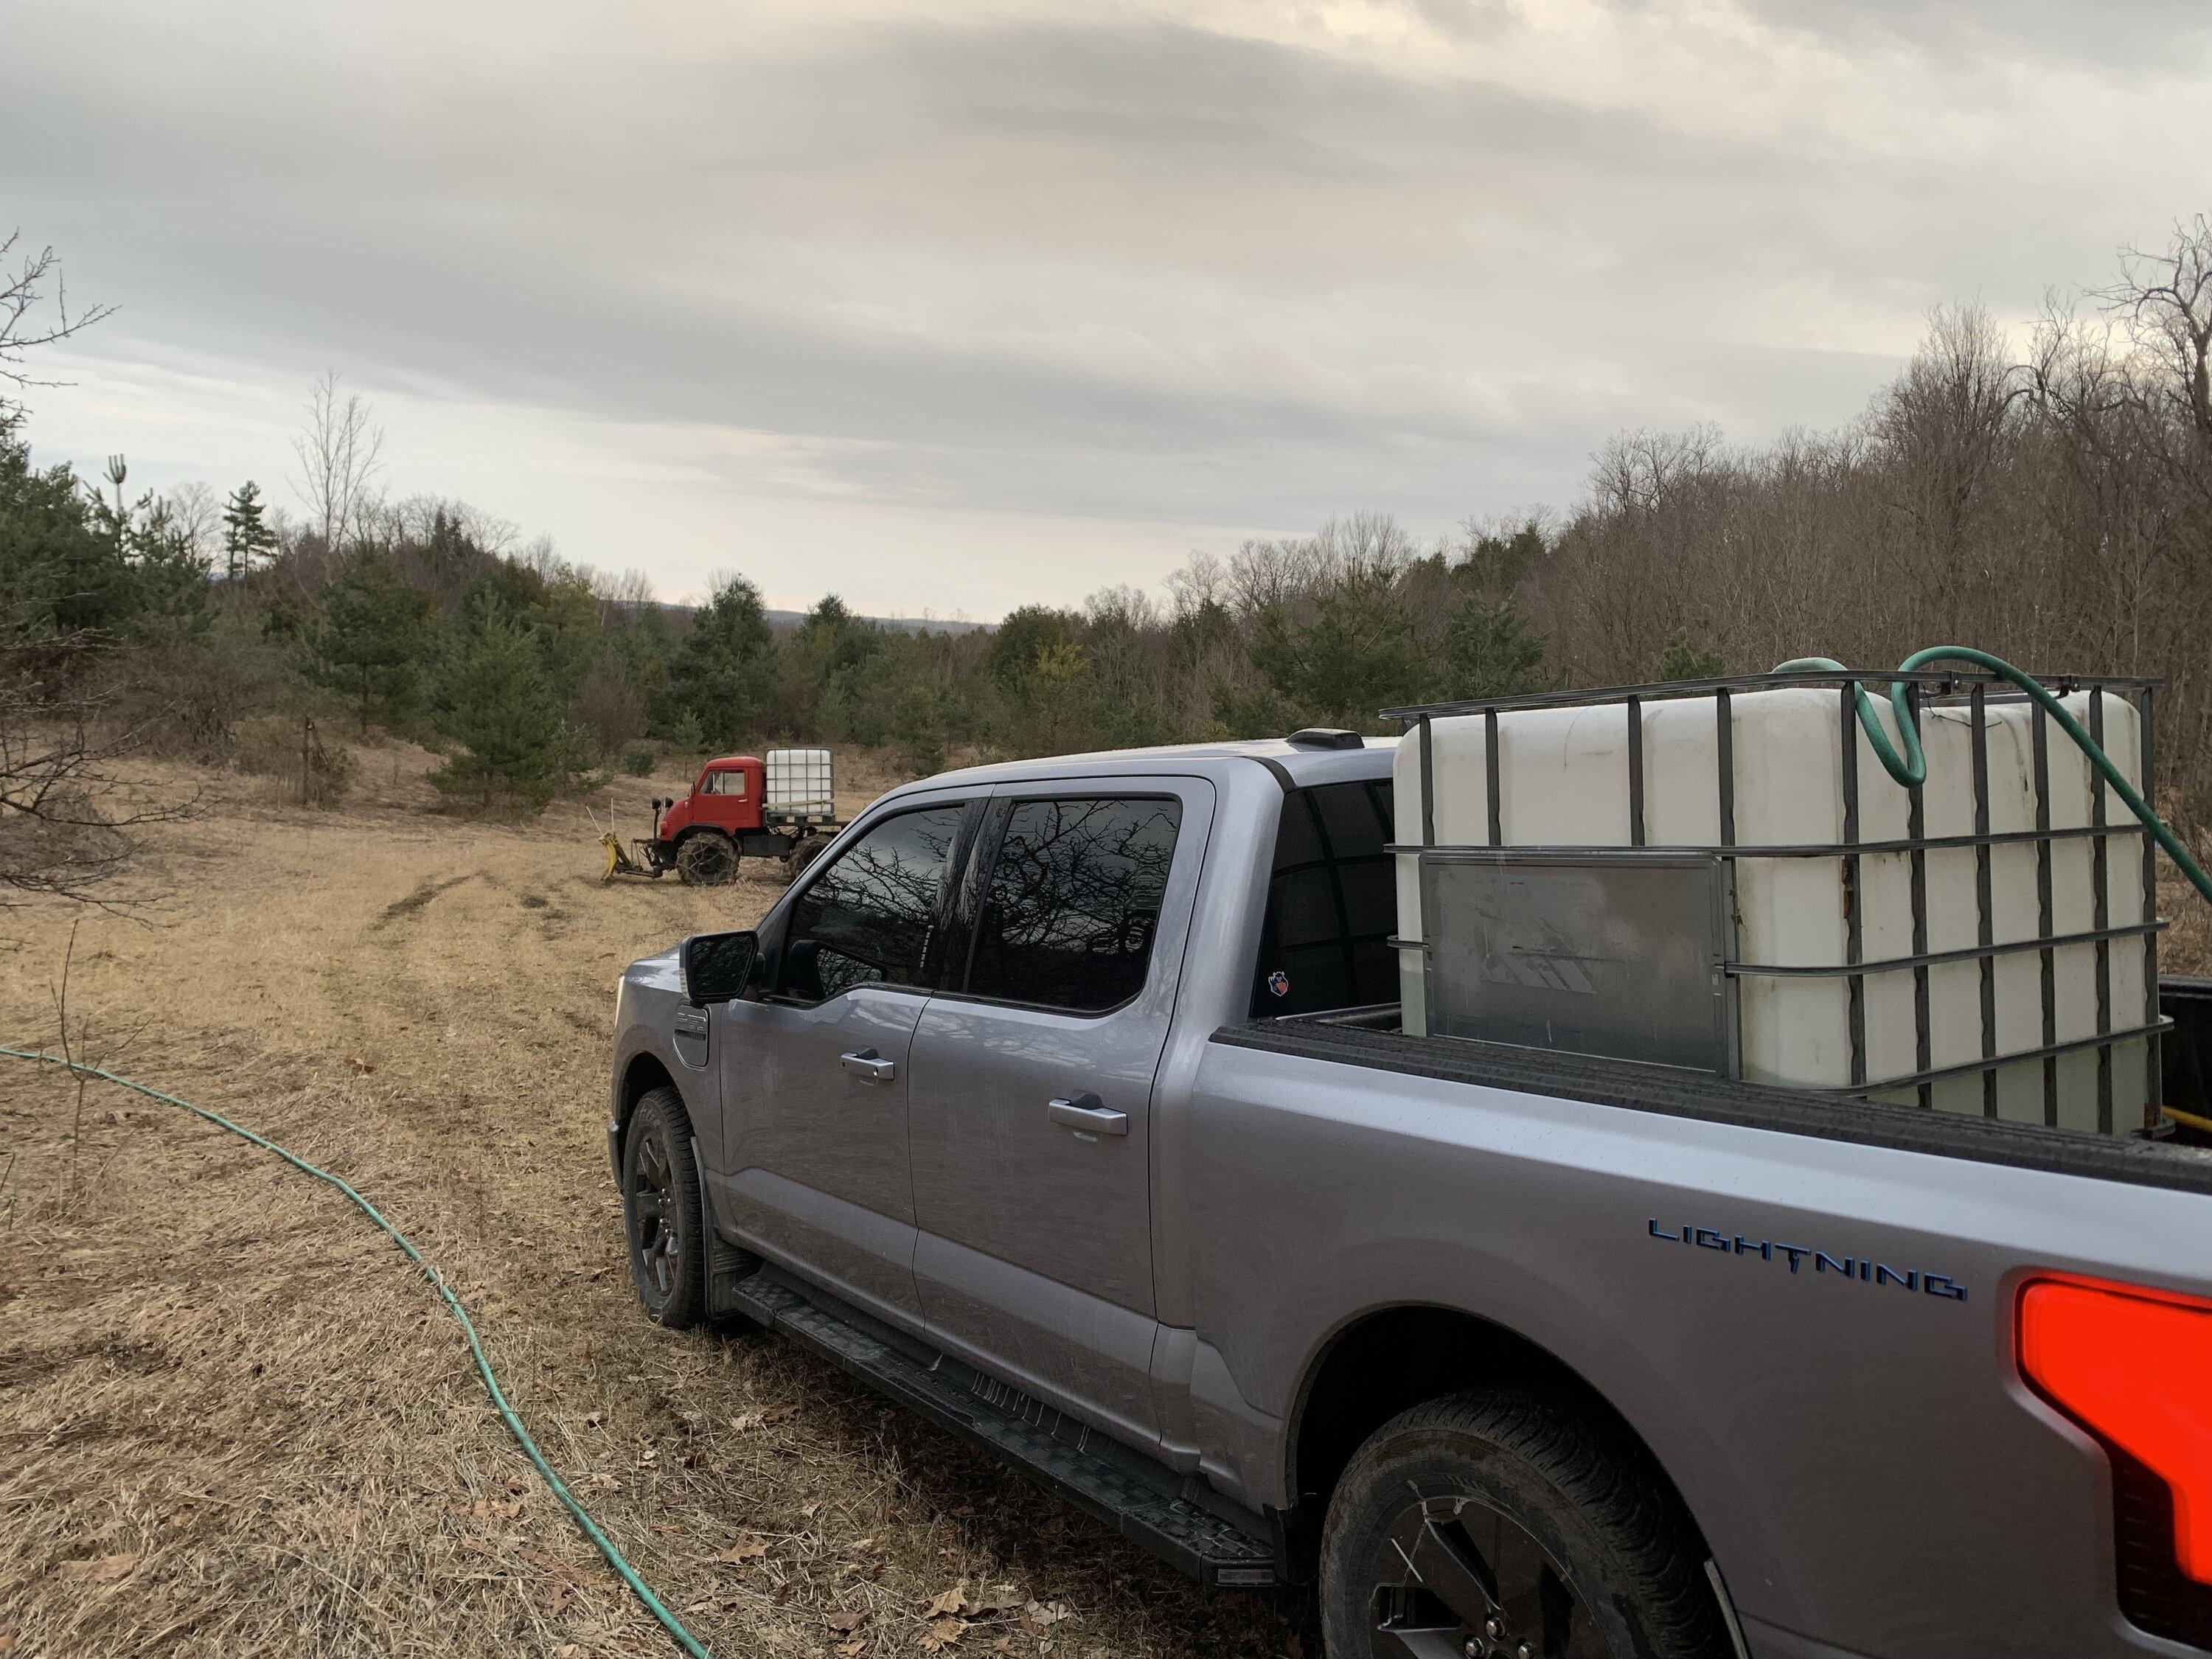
(643, 1074)
(1387, 1359)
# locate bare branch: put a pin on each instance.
(23, 329)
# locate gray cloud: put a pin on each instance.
(2131, 35)
(1103, 267)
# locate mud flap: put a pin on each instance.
(725, 1263)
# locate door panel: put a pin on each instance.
(821, 1177)
(1034, 1254)
(814, 1072)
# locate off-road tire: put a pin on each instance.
(708, 859)
(661, 1207)
(1592, 1503)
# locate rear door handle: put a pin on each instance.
(867, 1063)
(1087, 1114)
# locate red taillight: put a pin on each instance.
(2134, 1368)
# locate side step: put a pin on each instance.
(1175, 1516)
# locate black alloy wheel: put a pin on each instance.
(661, 1212)
(1509, 1525)
(1454, 1579)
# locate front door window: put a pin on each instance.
(872, 917)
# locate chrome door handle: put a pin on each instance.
(1087, 1114)
(867, 1063)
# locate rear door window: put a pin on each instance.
(1068, 912)
(1325, 942)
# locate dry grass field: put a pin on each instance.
(235, 1421)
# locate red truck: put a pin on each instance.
(779, 806)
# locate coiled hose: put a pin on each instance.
(600, 1542)
(1910, 768)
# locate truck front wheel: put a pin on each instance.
(661, 1212)
(707, 860)
(1499, 1526)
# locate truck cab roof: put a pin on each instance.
(1296, 765)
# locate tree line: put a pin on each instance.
(2049, 499)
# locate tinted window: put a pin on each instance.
(1073, 899)
(870, 916)
(1331, 905)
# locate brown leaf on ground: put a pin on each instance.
(750, 1548)
(103, 1568)
(952, 1601)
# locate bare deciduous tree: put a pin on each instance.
(2165, 299)
(195, 512)
(339, 452)
(23, 328)
(66, 812)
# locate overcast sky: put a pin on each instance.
(954, 308)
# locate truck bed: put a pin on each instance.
(1368, 1037)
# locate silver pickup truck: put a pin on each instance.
(1064, 1101)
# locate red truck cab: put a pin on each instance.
(727, 796)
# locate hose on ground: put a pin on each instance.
(1910, 768)
(599, 1541)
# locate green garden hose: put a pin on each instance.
(605, 1546)
(1910, 768)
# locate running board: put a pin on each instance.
(1177, 1517)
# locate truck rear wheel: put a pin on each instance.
(1498, 1526)
(708, 859)
(662, 1217)
(796, 861)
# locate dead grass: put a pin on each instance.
(233, 1419)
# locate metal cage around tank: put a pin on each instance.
(1978, 690)
(801, 784)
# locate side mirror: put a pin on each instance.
(717, 967)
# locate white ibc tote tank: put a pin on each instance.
(1562, 782)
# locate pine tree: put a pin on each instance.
(246, 537)
(500, 709)
(1026, 637)
(58, 572)
(1683, 657)
(1490, 653)
(1360, 653)
(169, 574)
(687, 738)
(373, 637)
(724, 673)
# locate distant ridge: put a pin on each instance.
(789, 620)
(897, 624)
